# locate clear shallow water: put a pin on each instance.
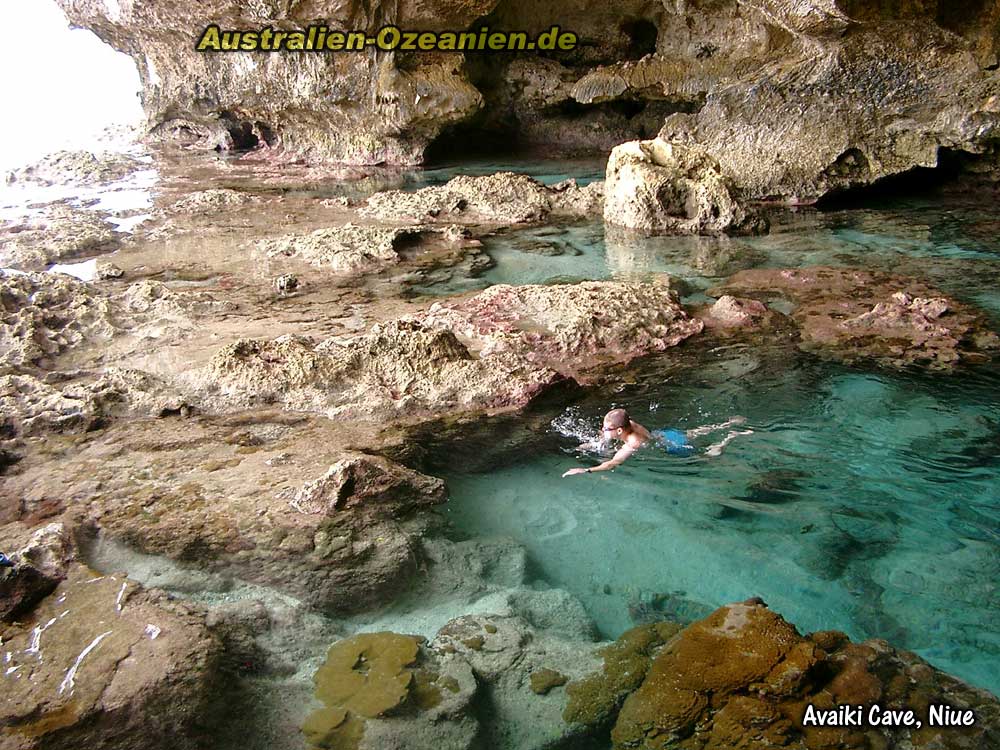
(952, 244)
(862, 502)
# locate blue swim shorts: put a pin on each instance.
(674, 442)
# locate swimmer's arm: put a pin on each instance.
(617, 460)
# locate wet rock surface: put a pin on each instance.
(858, 316)
(62, 233)
(496, 350)
(743, 676)
(103, 663)
(340, 542)
(504, 198)
(77, 168)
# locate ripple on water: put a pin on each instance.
(862, 502)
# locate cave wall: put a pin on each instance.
(795, 98)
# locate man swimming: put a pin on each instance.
(619, 426)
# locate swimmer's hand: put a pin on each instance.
(577, 470)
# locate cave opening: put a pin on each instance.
(641, 34)
(472, 140)
(917, 182)
(247, 135)
(99, 90)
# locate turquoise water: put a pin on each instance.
(865, 501)
(952, 244)
(862, 502)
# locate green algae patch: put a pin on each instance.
(333, 729)
(368, 676)
(544, 680)
(594, 701)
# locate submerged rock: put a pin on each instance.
(104, 663)
(744, 675)
(855, 315)
(349, 249)
(671, 188)
(504, 198)
(385, 690)
(341, 542)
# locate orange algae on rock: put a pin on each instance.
(368, 676)
(594, 700)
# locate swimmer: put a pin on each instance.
(619, 426)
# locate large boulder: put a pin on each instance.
(102, 662)
(343, 541)
(669, 188)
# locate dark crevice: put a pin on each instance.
(916, 182)
(641, 34)
(246, 134)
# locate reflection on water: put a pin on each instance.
(862, 502)
(954, 245)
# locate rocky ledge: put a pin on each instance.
(862, 316)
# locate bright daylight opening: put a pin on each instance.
(62, 86)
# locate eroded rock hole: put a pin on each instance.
(641, 34)
(247, 134)
(911, 183)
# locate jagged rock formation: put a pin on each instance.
(499, 199)
(61, 233)
(495, 351)
(743, 676)
(793, 98)
(861, 316)
(667, 188)
(77, 168)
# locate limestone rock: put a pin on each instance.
(670, 188)
(341, 543)
(495, 351)
(44, 315)
(855, 315)
(104, 663)
(505, 652)
(32, 406)
(729, 311)
(61, 233)
(569, 327)
(504, 198)
(211, 201)
(77, 168)
(348, 249)
(39, 565)
(742, 677)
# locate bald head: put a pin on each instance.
(617, 418)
